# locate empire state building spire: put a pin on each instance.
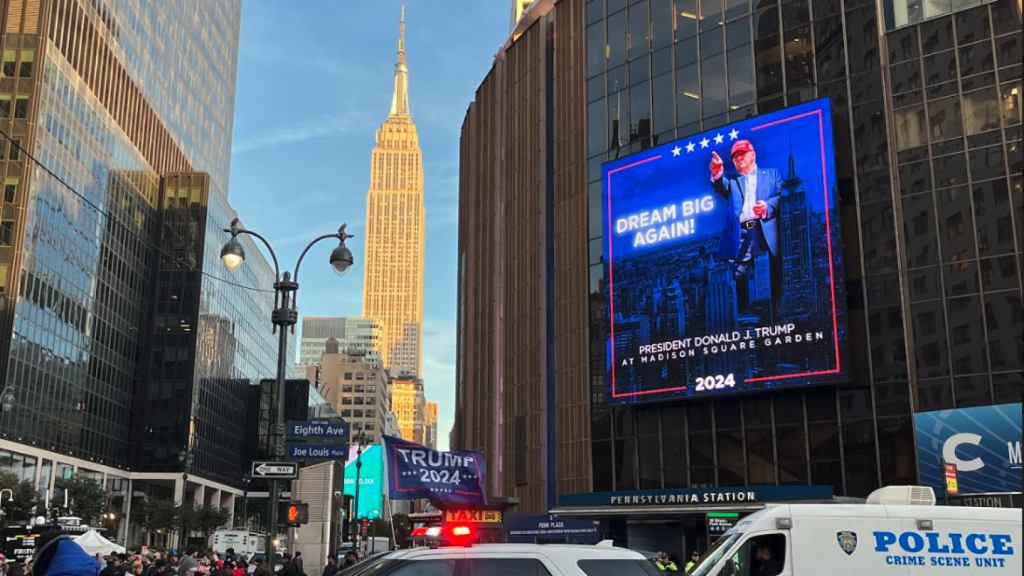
(400, 99)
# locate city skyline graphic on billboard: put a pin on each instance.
(723, 261)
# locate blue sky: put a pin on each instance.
(314, 84)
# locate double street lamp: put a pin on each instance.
(284, 317)
(185, 457)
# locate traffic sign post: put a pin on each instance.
(275, 470)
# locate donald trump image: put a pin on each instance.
(752, 224)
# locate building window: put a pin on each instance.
(348, 375)
(7, 233)
(11, 190)
(27, 61)
(15, 149)
(5, 106)
(21, 107)
(3, 279)
(10, 63)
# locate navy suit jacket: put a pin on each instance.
(769, 190)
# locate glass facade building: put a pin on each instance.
(926, 108)
(126, 339)
(354, 336)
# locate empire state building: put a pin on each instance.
(393, 285)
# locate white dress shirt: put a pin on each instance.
(749, 195)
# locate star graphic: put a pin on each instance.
(690, 146)
(734, 134)
(719, 139)
(676, 151)
(704, 143)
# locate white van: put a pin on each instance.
(247, 543)
(899, 532)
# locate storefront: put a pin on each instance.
(679, 521)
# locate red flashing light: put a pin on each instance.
(462, 531)
(422, 531)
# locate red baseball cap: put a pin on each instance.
(741, 146)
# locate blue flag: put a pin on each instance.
(414, 472)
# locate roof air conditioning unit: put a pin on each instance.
(903, 496)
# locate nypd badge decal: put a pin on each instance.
(848, 542)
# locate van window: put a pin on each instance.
(616, 568)
(761, 556)
(427, 568)
(505, 567)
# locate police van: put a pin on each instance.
(899, 532)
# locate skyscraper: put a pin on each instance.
(120, 341)
(354, 336)
(393, 285)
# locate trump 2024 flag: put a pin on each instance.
(415, 472)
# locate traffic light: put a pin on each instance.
(295, 513)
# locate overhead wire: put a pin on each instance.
(112, 218)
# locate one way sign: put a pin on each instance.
(275, 470)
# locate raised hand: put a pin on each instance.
(717, 165)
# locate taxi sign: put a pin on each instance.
(474, 516)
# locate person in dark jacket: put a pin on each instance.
(332, 567)
(288, 566)
(14, 568)
(57, 555)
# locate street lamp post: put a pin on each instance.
(185, 457)
(360, 440)
(245, 502)
(285, 316)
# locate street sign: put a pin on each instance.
(335, 430)
(721, 522)
(275, 470)
(318, 452)
(952, 479)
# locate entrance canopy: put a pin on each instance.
(653, 503)
(94, 543)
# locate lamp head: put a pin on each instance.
(7, 400)
(232, 254)
(342, 259)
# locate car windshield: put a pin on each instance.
(711, 558)
(368, 567)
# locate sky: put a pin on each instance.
(315, 79)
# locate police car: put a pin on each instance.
(508, 560)
(900, 532)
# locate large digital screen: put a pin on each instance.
(723, 261)
(371, 480)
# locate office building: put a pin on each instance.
(926, 113)
(393, 286)
(122, 348)
(522, 365)
(355, 387)
(409, 404)
(354, 335)
(430, 426)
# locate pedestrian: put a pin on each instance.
(137, 568)
(288, 566)
(332, 567)
(113, 564)
(665, 564)
(351, 559)
(299, 564)
(189, 562)
(14, 568)
(57, 555)
(28, 566)
(694, 558)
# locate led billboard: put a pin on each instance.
(371, 480)
(723, 261)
